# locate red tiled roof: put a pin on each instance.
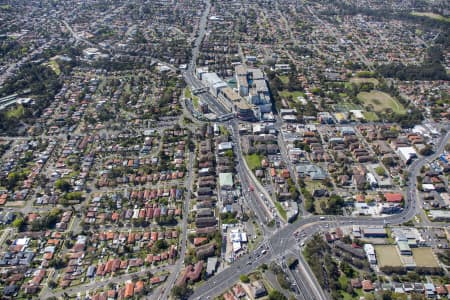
(129, 290)
(393, 197)
(199, 240)
(441, 290)
(367, 285)
(139, 286)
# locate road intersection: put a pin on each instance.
(282, 241)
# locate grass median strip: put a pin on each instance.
(280, 210)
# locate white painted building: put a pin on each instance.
(370, 253)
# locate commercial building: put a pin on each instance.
(211, 265)
(374, 232)
(225, 146)
(253, 87)
(407, 154)
(226, 181)
(213, 82)
(371, 180)
(230, 99)
(236, 103)
(237, 237)
(439, 215)
(370, 253)
(404, 248)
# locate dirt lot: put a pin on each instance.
(424, 257)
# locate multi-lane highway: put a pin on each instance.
(281, 243)
(250, 182)
(189, 74)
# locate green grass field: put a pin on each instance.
(253, 161)
(346, 106)
(285, 94)
(370, 116)
(16, 112)
(431, 16)
(224, 130)
(317, 202)
(54, 66)
(387, 255)
(284, 79)
(188, 94)
(381, 101)
(195, 101)
(312, 185)
(360, 80)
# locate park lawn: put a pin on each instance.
(295, 94)
(346, 106)
(54, 66)
(16, 112)
(370, 116)
(312, 185)
(361, 80)
(431, 16)
(381, 101)
(317, 202)
(253, 161)
(224, 130)
(284, 79)
(343, 280)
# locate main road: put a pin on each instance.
(285, 157)
(259, 192)
(189, 74)
(184, 227)
(281, 243)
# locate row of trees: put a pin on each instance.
(41, 82)
(431, 69)
(324, 267)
